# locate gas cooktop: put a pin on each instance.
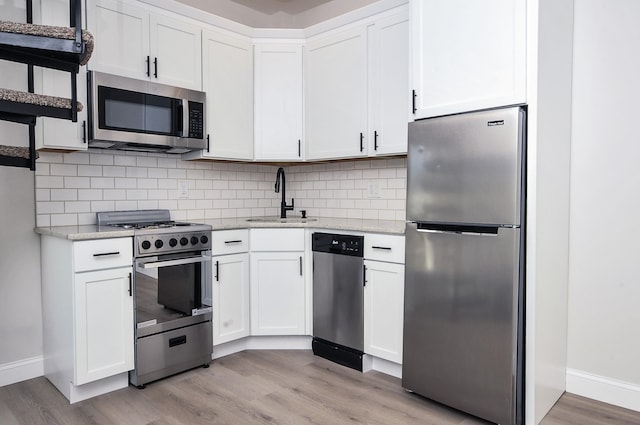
(155, 233)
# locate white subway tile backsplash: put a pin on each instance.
(63, 170)
(77, 207)
(64, 194)
(115, 171)
(77, 182)
(90, 194)
(90, 170)
(100, 158)
(71, 188)
(102, 183)
(64, 219)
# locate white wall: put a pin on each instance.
(604, 308)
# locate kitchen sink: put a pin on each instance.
(281, 220)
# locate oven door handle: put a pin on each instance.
(167, 263)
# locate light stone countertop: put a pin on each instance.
(87, 232)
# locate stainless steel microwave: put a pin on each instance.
(137, 115)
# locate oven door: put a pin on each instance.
(171, 291)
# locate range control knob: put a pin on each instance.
(173, 242)
(146, 244)
(184, 241)
(204, 239)
(158, 243)
(194, 240)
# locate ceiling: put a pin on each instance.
(277, 13)
(291, 7)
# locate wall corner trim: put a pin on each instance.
(21, 370)
(607, 390)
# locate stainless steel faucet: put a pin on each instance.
(283, 204)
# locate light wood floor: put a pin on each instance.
(267, 387)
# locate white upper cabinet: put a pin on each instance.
(228, 82)
(358, 99)
(336, 95)
(467, 55)
(135, 42)
(53, 133)
(278, 102)
(176, 51)
(390, 109)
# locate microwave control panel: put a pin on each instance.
(196, 120)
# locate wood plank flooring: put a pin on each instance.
(267, 387)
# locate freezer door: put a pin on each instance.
(466, 168)
(460, 323)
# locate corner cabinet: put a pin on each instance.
(278, 102)
(336, 95)
(467, 55)
(231, 319)
(228, 81)
(144, 44)
(87, 303)
(277, 282)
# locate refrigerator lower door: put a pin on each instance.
(461, 326)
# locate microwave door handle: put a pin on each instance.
(167, 263)
(184, 125)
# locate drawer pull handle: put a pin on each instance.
(386, 248)
(104, 254)
(236, 241)
(179, 340)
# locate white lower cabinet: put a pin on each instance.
(277, 282)
(383, 310)
(87, 309)
(230, 297)
(384, 296)
(103, 324)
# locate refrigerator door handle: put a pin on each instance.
(457, 233)
(462, 229)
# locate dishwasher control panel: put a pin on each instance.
(338, 244)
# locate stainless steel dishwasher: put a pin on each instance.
(338, 298)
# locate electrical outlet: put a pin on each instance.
(373, 189)
(183, 189)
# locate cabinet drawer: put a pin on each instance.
(389, 248)
(229, 242)
(102, 254)
(277, 240)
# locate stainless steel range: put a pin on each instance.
(172, 290)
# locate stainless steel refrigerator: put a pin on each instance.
(464, 278)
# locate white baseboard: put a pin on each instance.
(612, 391)
(21, 370)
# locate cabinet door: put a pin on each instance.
(55, 133)
(468, 55)
(390, 94)
(277, 293)
(228, 82)
(176, 52)
(103, 324)
(383, 310)
(278, 102)
(336, 95)
(122, 38)
(230, 297)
